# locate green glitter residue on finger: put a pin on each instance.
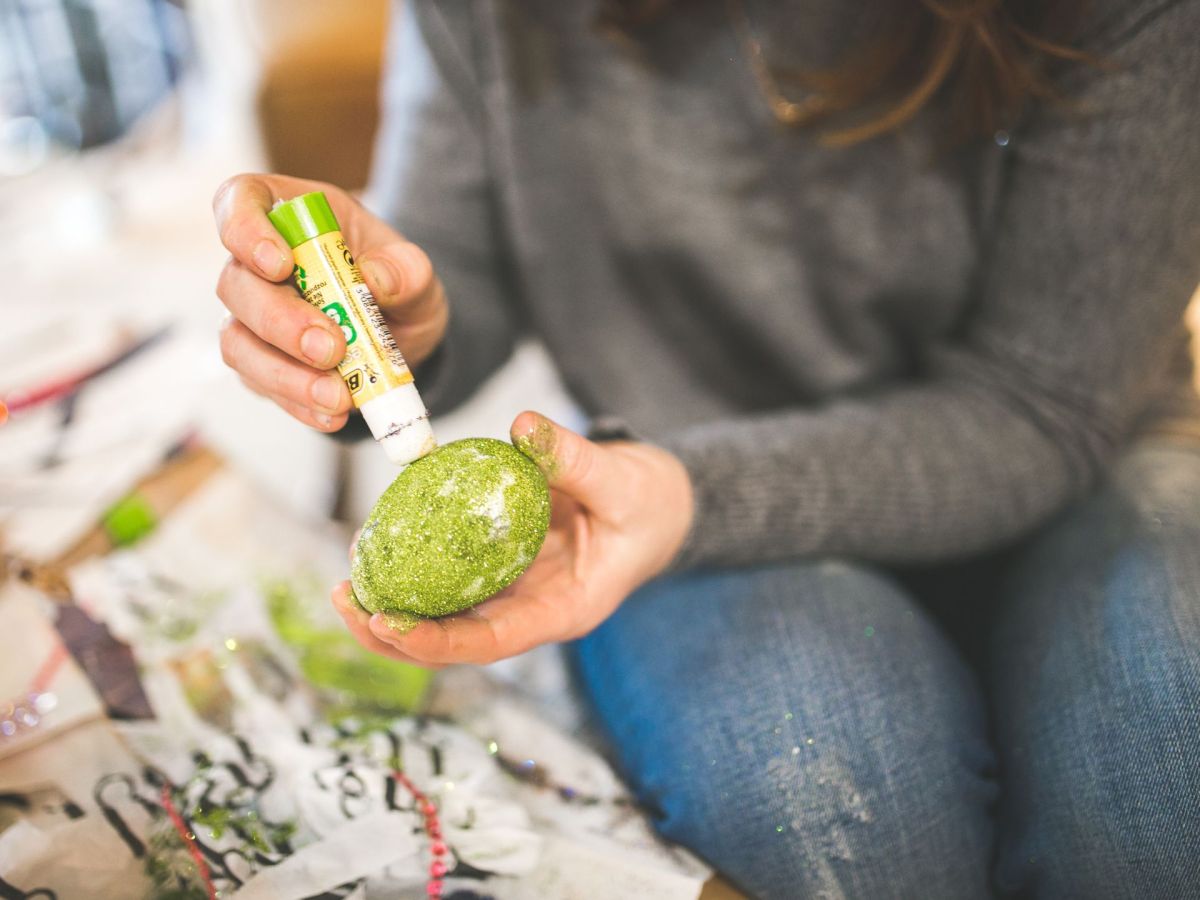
(401, 622)
(453, 529)
(539, 446)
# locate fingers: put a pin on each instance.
(276, 342)
(401, 278)
(303, 414)
(356, 620)
(240, 207)
(271, 373)
(506, 625)
(410, 296)
(571, 463)
(398, 273)
(276, 314)
(318, 420)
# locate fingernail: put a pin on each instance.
(323, 420)
(269, 258)
(538, 444)
(400, 622)
(327, 392)
(317, 344)
(380, 277)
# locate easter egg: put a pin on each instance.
(454, 528)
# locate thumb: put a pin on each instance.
(401, 278)
(570, 462)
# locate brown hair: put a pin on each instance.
(986, 58)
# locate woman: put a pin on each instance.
(886, 573)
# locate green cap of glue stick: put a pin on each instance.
(303, 218)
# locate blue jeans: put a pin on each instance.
(1024, 725)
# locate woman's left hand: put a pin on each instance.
(620, 513)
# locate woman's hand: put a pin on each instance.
(283, 348)
(620, 514)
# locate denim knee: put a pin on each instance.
(805, 728)
(1096, 667)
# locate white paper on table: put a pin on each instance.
(57, 507)
(30, 640)
(532, 840)
(226, 536)
(58, 482)
(76, 853)
(82, 858)
(357, 849)
(612, 833)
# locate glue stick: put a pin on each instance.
(381, 385)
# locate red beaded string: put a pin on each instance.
(189, 841)
(433, 828)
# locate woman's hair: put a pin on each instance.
(986, 58)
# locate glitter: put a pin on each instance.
(454, 528)
(539, 445)
(869, 631)
(779, 829)
(230, 644)
(493, 748)
(528, 764)
(795, 751)
(810, 742)
(401, 622)
(1002, 138)
(779, 731)
(788, 716)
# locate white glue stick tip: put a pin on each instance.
(410, 443)
(399, 421)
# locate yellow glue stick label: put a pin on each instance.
(328, 279)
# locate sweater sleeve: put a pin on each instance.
(430, 179)
(1090, 264)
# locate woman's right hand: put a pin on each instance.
(280, 346)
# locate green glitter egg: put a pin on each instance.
(454, 528)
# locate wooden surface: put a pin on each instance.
(163, 490)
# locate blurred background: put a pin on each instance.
(151, 496)
(118, 119)
(117, 122)
(169, 540)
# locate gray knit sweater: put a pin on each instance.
(892, 352)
